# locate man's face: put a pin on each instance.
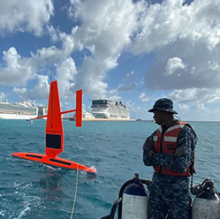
(158, 117)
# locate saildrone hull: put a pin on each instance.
(58, 162)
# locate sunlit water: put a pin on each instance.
(34, 190)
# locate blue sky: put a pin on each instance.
(129, 51)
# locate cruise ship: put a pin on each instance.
(109, 109)
(22, 110)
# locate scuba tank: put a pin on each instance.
(206, 205)
(134, 200)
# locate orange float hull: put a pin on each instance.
(59, 162)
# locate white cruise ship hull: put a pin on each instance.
(17, 111)
(112, 112)
(109, 109)
(14, 116)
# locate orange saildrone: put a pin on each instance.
(54, 133)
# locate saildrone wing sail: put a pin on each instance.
(54, 126)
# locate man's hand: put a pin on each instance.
(151, 153)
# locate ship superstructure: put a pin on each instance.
(22, 110)
(110, 109)
(85, 116)
(42, 111)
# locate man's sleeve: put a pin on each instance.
(148, 146)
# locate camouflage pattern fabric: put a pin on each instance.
(163, 104)
(170, 194)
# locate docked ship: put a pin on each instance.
(85, 116)
(109, 109)
(22, 110)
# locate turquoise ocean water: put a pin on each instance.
(34, 190)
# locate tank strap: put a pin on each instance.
(191, 185)
(192, 166)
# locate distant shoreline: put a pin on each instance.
(136, 120)
(104, 120)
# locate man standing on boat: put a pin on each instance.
(170, 150)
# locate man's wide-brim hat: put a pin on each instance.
(163, 104)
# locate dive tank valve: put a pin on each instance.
(134, 200)
(207, 201)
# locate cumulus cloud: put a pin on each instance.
(26, 15)
(186, 95)
(195, 95)
(185, 39)
(17, 70)
(174, 64)
(41, 89)
(90, 78)
(104, 32)
(39, 92)
(47, 56)
(65, 76)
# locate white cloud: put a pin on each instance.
(128, 75)
(2, 96)
(41, 90)
(47, 56)
(186, 41)
(115, 98)
(88, 79)
(185, 95)
(158, 25)
(104, 32)
(201, 106)
(125, 88)
(174, 64)
(17, 70)
(195, 95)
(184, 107)
(65, 76)
(142, 95)
(20, 91)
(133, 106)
(26, 15)
(54, 33)
(143, 98)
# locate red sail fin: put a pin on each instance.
(79, 108)
(54, 127)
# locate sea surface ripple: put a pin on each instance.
(34, 190)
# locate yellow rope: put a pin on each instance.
(74, 201)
